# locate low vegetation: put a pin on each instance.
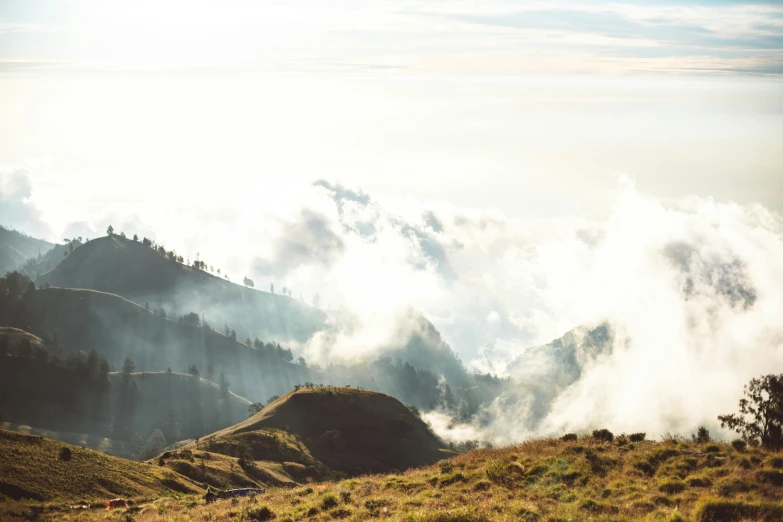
(35, 468)
(544, 480)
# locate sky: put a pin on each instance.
(512, 169)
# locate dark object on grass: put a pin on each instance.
(212, 496)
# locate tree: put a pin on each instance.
(248, 282)
(760, 420)
(301, 361)
(135, 237)
(128, 366)
(193, 370)
(155, 445)
(272, 288)
(110, 231)
(255, 408)
(171, 429)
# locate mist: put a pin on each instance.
(688, 290)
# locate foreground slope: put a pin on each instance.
(33, 467)
(347, 429)
(540, 480)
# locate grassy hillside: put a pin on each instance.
(16, 248)
(133, 270)
(138, 272)
(541, 480)
(258, 459)
(60, 399)
(347, 429)
(36, 266)
(33, 467)
(119, 328)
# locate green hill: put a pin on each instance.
(118, 328)
(135, 271)
(33, 467)
(140, 273)
(346, 429)
(33, 267)
(73, 405)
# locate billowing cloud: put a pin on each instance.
(17, 208)
(672, 306)
(308, 240)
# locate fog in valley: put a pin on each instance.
(650, 318)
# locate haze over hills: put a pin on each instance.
(140, 273)
(156, 277)
(17, 248)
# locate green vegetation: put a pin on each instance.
(32, 467)
(760, 419)
(355, 431)
(541, 480)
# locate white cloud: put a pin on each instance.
(693, 290)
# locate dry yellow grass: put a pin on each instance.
(546, 480)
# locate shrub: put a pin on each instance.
(345, 494)
(495, 471)
(65, 454)
(596, 507)
(702, 435)
(739, 445)
(261, 513)
(770, 476)
(603, 434)
(329, 501)
(482, 485)
(569, 437)
(720, 510)
(672, 486)
(698, 482)
(637, 437)
(776, 462)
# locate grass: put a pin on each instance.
(544, 480)
(33, 467)
(355, 431)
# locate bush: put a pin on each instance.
(672, 486)
(719, 510)
(329, 501)
(776, 462)
(739, 445)
(603, 434)
(569, 437)
(702, 435)
(65, 454)
(770, 476)
(699, 482)
(637, 437)
(261, 513)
